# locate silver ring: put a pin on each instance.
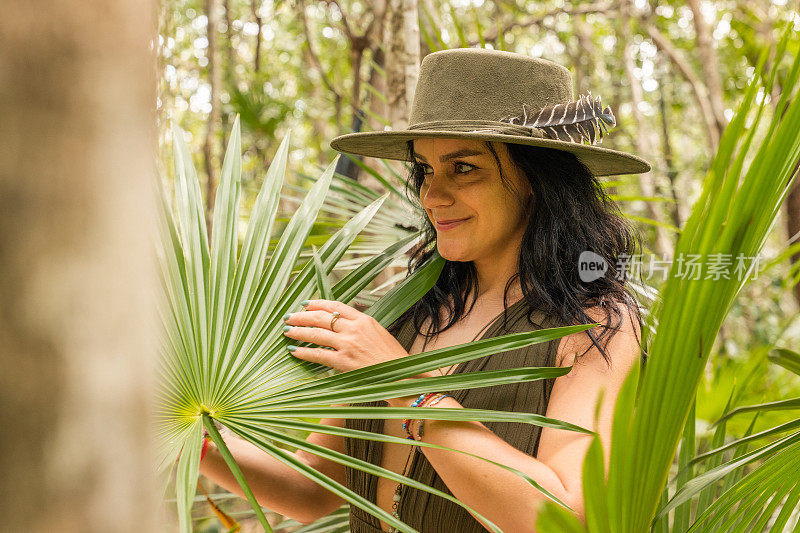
(333, 319)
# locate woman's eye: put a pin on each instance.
(426, 169)
(470, 167)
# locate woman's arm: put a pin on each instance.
(278, 486)
(504, 497)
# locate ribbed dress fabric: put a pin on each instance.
(426, 512)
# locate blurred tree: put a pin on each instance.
(78, 324)
(709, 65)
(643, 141)
(211, 147)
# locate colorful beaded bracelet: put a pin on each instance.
(434, 402)
(420, 399)
(421, 403)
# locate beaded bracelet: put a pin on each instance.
(434, 402)
(421, 403)
(407, 422)
(421, 399)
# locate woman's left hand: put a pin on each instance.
(357, 339)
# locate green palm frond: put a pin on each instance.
(223, 354)
(396, 221)
(751, 502)
(788, 359)
(734, 214)
(710, 513)
(336, 522)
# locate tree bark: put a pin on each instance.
(358, 43)
(402, 60)
(254, 5)
(375, 104)
(78, 323)
(401, 64)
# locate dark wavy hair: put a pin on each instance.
(570, 213)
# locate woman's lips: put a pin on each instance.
(450, 225)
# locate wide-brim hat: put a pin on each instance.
(474, 93)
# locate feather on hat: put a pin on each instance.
(581, 121)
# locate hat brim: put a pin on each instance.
(392, 145)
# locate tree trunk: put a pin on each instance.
(210, 148)
(585, 65)
(402, 60)
(664, 80)
(710, 66)
(400, 32)
(254, 7)
(375, 79)
(642, 141)
(77, 325)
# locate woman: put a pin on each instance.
(512, 204)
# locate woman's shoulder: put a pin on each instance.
(624, 338)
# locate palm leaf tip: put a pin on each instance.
(581, 121)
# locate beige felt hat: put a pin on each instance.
(473, 93)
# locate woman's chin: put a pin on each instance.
(451, 253)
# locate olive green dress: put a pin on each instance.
(422, 510)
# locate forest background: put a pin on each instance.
(73, 369)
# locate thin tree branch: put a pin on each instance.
(345, 24)
(643, 142)
(257, 17)
(709, 65)
(669, 159)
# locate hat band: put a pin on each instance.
(478, 126)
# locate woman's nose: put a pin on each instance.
(437, 193)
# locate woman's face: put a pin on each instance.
(462, 181)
